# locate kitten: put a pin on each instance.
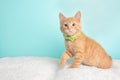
(84, 49)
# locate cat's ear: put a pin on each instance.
(61, 17)
(78, 16)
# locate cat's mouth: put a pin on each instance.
(70, 32)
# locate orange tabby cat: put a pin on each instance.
(84, 49)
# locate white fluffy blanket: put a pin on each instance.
(36, 68)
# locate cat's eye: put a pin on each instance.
(65, 25)
(73, 24)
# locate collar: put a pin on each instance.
(71, 37)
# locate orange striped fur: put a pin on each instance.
(84, 49)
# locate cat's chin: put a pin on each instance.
(69, 34)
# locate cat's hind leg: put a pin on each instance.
(105, 63)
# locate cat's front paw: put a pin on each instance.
(72, 67)
(62, 65)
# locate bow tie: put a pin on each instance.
(71, 37)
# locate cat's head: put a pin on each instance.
(70, 25)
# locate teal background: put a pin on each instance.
(31, 27)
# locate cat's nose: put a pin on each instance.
(68, 27)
